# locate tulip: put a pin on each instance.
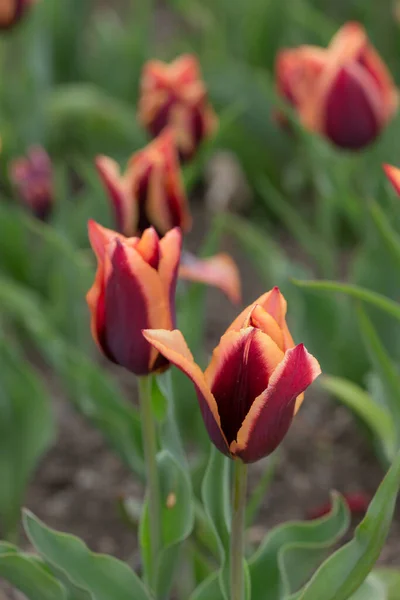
(12, 11)
(254, 383)
(32, 178)
(357, 503)
(174, 94)
(151, 191)
(393, 175)
(134, 289)
(343, 92)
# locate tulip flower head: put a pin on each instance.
(344, 92)
(32, 177)
(151, 192)
(393, 175)
(254, 383)
(134, 289)
(175, 95)
(11, 11)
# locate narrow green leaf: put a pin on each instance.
(385, 369)
(26, 574)
(344, 572)
(103, 577)
(210, 589)
(388, 235)
(292, 551)
(385, 304)
(26, 431)
(359, 401)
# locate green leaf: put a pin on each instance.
(209, 589)
(27, 575)
(176, 520)
(103, 577)
(372, 589)
(384, 368)
(344, 572)
(364, 406)
(257, 496)
(388, 235)
(385, 304)
(291, 552)
(26, 431)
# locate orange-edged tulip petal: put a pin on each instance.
(219, 271)
(11, 11)
(270, 416)
(239, 371)
(170, 246)
(172, 345)
(393, 174)
(126, 211)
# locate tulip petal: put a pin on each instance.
(149, 247)
(239, 371)
(172, 345)
(219, 271)
(271, 414)
(134, 299)
(117, 188)
(262, 320)
(170, 246)
(393, 174)
(297, 72)
(100, 237)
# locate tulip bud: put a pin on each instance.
(134, 289)
(344, 92)
(32, 178)
(254, 383)
(175, 95)
(151, 192)
(12, 11)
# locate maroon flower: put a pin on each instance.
(11, 11)
(254, 383)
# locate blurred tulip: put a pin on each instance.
(344, 92)
(357, 502)
(134, 289)
(254, 383)
(174, 94)
(11, 11)
(32, 178)
(393, 174)
(151, 191)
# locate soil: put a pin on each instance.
(78, 483)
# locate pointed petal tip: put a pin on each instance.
(393, 175)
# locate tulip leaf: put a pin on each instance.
(377, 417)
(26, 574)
(389, 306)
(257, 496)
(389, 236)
(371, 589)
(176, 520)
(209, 589)
(291, 552)
(26, 431)
(342, 574)
(102, 577)
(384, 367)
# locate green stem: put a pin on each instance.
(237, 530)
(153, 488)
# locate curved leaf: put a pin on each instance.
(292, 551)
(343, 573)
(210, 589)
(363, 405)
(388, 235)
(389, 306)
(27, 575)
(103, 577)
(391, 579)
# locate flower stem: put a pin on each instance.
(153, 488)
(237, 530)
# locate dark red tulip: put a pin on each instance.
(357, 502)
(344, 92)
(175, 95)
(12, 11)
(254, 383)
(32, 177)
(134, 289)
